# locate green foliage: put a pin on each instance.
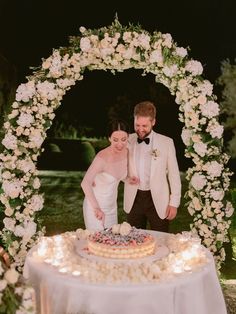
(227, 81)
(87, 153)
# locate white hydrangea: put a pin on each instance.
(9, 223)
(217, 195)
(200, 148)
(213, 168)
(36, 139)
(156, 56)
(171, 70)
(194, 67)
(10, 141)
(198, 181)
(47, 90)
(11, 276)
(36, 202)
(210, 109)
(25, 120)
(215, 129)
(26, 165)
(205, 88)
(25, 91)
(180, 51)
(12, 188)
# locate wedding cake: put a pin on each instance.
(121, 241)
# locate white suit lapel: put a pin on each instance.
(132, 152)
(154, 161)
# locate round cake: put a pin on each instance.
(122, 242)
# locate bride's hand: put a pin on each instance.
(133, 180)
(99, 214)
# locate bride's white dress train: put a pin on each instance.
(105, 190)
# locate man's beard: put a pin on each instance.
(145, 135)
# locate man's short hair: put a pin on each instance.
(145, 109)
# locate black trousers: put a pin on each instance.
(143, 211)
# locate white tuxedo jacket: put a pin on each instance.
(165, 183)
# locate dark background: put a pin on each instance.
(29, 30)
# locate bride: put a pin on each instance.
(100, 183)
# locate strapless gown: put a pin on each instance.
(105, 190)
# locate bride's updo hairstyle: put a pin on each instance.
(117, 125)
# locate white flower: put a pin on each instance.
(9, 141)
(213, 168)
(125, 228)
(205, 87)
(167, 40)
(217, 195)
(11, 276)
(9, 211)
(200, 148)
(36, 183)
(155, 153)
(198, 181)
(36, 202)
(156, 56)
(12, 188)
(210, 109)
(180, 51)
(170, 71)
(25, 91)
(229, 210)
(47, 90)
(27, 230)
(215, 129)
(195, 67)
(85, 44)
(186, 136)
(36, 139)
(26, 165)
(25, 120)
(82, 29)
(3, 284)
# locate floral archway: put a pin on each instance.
(115, 48)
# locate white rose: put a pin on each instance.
(198, 181)
(125, 228)
(11, 276)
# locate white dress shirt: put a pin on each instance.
(143, 163)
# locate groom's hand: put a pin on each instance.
(171, 212)
(133, 180)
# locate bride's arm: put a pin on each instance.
(87, 183)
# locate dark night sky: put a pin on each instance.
(30, 29)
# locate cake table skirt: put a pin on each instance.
(195, 293)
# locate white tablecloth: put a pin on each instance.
(193, 293)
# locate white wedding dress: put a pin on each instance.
(105, 191)
(100, 185)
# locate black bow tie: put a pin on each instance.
(146, 140)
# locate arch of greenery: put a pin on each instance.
(115, 48)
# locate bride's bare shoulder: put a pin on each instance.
(104, 153)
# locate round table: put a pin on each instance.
(198, 292)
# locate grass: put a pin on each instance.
(63, 211)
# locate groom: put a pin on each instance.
(154, 190)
